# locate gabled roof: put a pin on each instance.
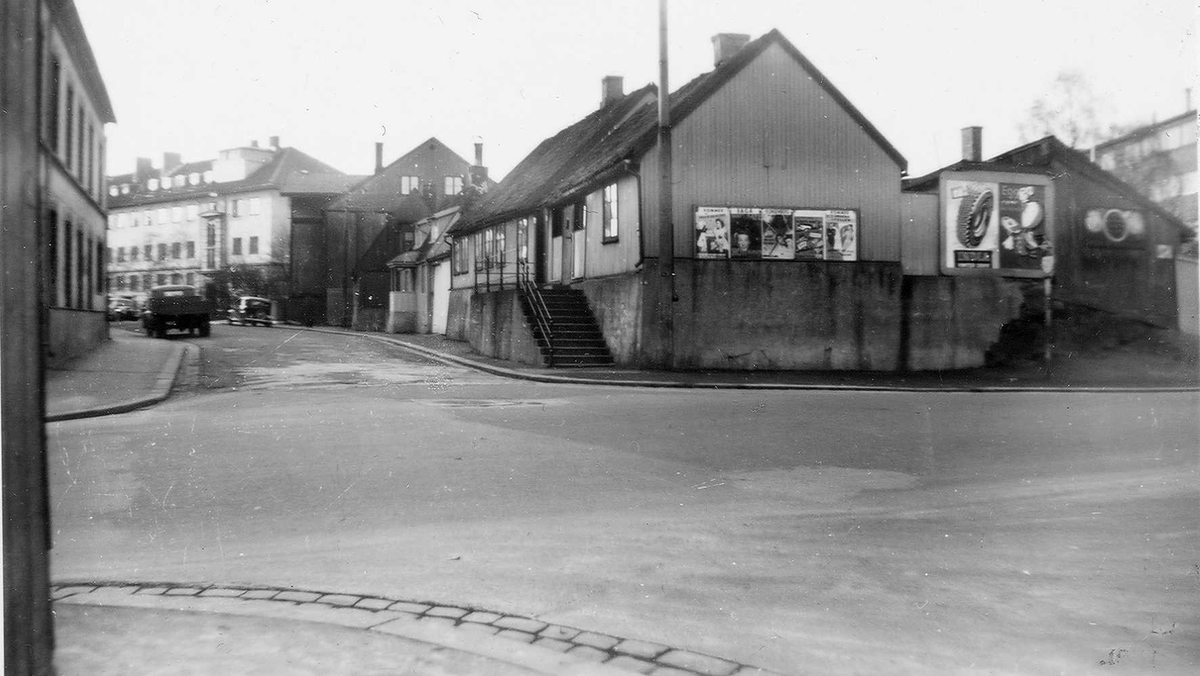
(289, 170)
(380, 193)
(579, 156)
(434, 248)
(1047, 156)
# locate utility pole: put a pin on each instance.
(666, 222)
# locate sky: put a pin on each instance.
(333, 78)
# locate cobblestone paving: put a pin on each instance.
(631, 655)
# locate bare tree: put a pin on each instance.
(1068, 111)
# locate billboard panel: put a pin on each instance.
(997, 224)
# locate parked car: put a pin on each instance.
(251, 310)
(122, 309)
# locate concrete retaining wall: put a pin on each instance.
(496, 328)
(402, 312)
(75, 332)
(952, 321)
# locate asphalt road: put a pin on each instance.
(805, 532)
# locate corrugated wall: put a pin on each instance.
(772, 136)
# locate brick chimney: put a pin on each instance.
(170, 161)
(972, 144)
(254, 144)
(478, 174)
(612, 89)
(378, 157)
(274, 142)
(725, 45)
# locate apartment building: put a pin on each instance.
(226, 220)
(1159, 160)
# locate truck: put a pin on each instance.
(177, 306)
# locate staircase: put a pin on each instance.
(574, 339)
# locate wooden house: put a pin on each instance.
(786, 222)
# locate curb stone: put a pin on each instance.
(512, 629)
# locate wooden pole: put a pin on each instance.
(666, 225)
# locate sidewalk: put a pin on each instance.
(117, 628)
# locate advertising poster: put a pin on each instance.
(997, 223)
(841, 235)
(809, 234)
(777, 234)
(745, 232)
(712, 232)
(972, 221)
(1022, 226)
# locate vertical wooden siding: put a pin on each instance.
(919, 234)
(772, 136)
(621, 256)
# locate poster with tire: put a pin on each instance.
(996, 223)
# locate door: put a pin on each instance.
(541, 268)
(557, 228)
(441, 297)
(579, 241)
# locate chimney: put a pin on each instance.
(170, 161)
(972, 144)
(274, 143)
(144, 169)
(254, 144)
(1187, 98)
(479, 153)
(378, 157)
(725, 45)
(612, 89)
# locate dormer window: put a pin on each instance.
(179, 181)
(152, 184)
(208, 176)
(194, 178)
(124, 188)
(112, 190)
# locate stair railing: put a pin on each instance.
(541, 313)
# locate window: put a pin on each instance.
(147, 253)
(254, 206)
(120, 254)
(253, 245)
(162, 252)
(161, 279)
(120, 284)
(176, 214)
(409, 184)
(193, 210)
(477, 241)
(179, 181)
(133, 282)
(79, 143)
(452, 185)
(53, 102)
(212, 235)
(146, 282)
(610, 220)
(193, 179)
(176, 278)
(176, 250)
(110, 254)
(523, 239)
(68, 146)
(191, 279)
(459, 259)
(500, 256)
(112, 190)
(191, 251)
(235, 207)
(149, 218)
(162, 216)
(152, 184)
(237, 246)
(207, 176)
(133, 254)
(489, 247)
(124, 188)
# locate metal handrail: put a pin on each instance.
(541, 313)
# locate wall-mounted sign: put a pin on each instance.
(752, 233)
(997, 224)
(1108, 227)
